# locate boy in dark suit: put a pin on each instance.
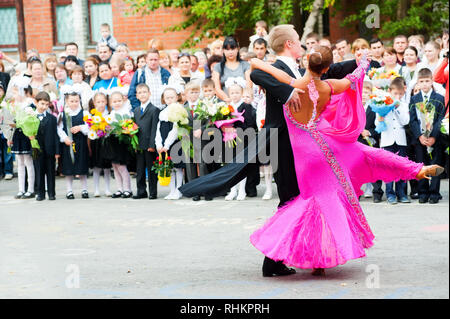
(48, 140)
(426, 144)
(146, 117)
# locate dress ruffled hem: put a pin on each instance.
(305, 239)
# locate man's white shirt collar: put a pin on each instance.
(290, 62)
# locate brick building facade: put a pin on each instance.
(48, 25)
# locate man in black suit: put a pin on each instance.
(48, 140)
(423, 142)
(146, 117)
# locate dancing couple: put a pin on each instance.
(319, 222)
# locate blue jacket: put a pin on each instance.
(438, 101)
(165, 75)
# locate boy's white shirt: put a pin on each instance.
(395, 123)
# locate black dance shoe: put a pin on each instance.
(70, 195)
(84, 194)
(272, 268)
(28, 195)
(208, 198)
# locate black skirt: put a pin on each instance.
(21, 143)
(80, 164)
(116, 152)
(97, 158)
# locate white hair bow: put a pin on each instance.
(236, 80)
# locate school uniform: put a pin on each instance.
(79, 164)
(97, 150)
(427, 191)
(45, 163)
(166, 136)
(394, 140)
(146, 117)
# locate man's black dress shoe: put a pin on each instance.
(208, 198)
(141, 196)
(275, 268)
(40, 198)
(377, 200)
(423, 200)
(51, 198)
(152, 197)
(196, 198)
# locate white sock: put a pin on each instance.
(97, 179)
(30, 171)
(107, 176)
(126, 179)
(21, 172)
(118, 177)
(69, 182)
(83, 181)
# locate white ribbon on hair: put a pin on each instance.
(236, 80)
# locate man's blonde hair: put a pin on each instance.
(279, 35)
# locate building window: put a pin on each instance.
(8, 17)
(100, 12)
(64, 22)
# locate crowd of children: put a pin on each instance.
(114, 83)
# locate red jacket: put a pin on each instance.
(441, 76)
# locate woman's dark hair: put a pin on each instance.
(413, 49)
(230, 43)
(95, 56)
(320, 59)
(71, 58)
(91, 101)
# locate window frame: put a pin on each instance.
(68, 2)
(5, 4)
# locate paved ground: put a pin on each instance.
(104, 248)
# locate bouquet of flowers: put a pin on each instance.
(178, 115)
(222, 115)
(426, 115)
(382, 103)
(98, 125)
(27, 121)
(163, 168)
(126, 130)
(444, 129)
(380, 79)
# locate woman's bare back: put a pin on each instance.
(307, 104)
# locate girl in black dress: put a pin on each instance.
(117, 151)
(166, 136)
(72, 131)
(97, 148)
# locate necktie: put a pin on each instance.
(426, 99)
(142, 110)
(40, 116)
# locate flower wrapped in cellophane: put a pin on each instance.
(382, 103)
(179, 116)
(28, 122)
(97, 124)
(7, 121)
(380, 79)
(124, 127)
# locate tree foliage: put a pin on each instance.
(214, 18)
(407, 17)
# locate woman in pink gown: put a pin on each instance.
(325, 226)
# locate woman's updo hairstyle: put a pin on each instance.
(320, 58)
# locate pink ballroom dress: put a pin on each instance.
(325, 226)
